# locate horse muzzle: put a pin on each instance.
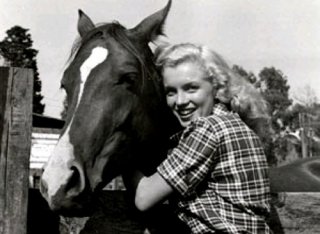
(65, 190)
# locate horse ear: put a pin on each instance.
(152, 26)
(84, 24)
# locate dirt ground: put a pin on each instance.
(300, 213)
(297, 213)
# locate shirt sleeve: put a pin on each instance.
(193, 158)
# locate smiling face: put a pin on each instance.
(189, 91)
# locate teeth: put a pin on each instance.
(185, 112)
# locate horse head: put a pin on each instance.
(116, 112)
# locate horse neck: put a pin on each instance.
(153, 135)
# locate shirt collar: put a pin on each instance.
(220, 109)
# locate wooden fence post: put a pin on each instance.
(16, 94)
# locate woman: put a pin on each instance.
(217, 170)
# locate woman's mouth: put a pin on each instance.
(185, 114)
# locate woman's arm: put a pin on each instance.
(149, 191)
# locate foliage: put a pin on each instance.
(274, 88)
(243, 73)
(306, 96)
(16, 48)
(292, 116)
(306, 103)
(263, 132)
(316, 112)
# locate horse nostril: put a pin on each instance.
(76, 182)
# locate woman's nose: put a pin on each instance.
(182, 99)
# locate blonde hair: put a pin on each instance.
(232, 89)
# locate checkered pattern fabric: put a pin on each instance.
(221, 174)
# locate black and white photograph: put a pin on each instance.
(159, 116)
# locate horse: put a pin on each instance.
(117, 114)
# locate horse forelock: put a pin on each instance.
(80, 41)
(119, 33)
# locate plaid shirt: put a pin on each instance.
(221, 173)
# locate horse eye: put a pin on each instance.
(128, 78)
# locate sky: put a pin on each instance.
(253, 34)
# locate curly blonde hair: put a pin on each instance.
(232, 89)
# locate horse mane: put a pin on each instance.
(117, 31)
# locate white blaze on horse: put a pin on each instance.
(64, 151)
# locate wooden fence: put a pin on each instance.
(16, 93)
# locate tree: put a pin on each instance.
(247, 75)
(275, 89)
(316, 112)
(306, 96)
(292, 120)
(16, 49)
(264, 130)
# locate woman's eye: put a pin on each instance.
(192, 88)
(170, 93)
